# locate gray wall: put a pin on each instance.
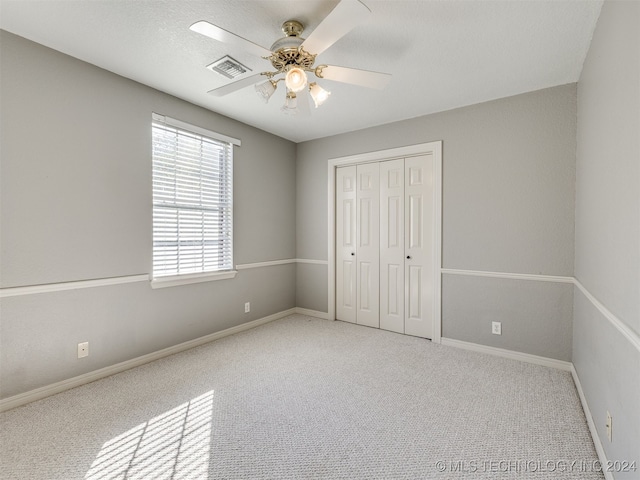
(508, 206)
(76, 205)
(608, 227)
(528, 311)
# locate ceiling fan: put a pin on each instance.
(293, 58)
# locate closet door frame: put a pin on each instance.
(433, 148)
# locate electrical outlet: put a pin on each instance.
(247, 307)
(83, 349)
(496, 328)
(609, 425)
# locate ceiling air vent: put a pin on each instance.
(228, 67)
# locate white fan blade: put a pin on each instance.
(212, 31)
(347, 15)
(363, 78)
(237, 85)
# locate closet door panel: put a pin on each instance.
(346, 238)
(392, 298)
(368, 244)
(385, 264)
(419, 245)
(414, 289)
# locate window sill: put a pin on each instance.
(176, 280)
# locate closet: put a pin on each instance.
(385, 244)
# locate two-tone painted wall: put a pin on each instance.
(77, 207)
(541, 219)
(508, 207)
(606, 341)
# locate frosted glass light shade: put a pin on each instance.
(266, 89)
(318, 94)
(296, 79)
(290, 104)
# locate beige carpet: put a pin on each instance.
(307, 398)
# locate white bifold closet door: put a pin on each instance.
(368, 244)
(407, 246)
(392, 257)
(346, 244)
(385, 245)
(358, 244)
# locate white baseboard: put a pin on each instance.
(602, 456)
(547, 362)
(58, 387)
(48, 390)
(312, 313)
(513, 355)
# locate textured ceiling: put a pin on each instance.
(442, 54)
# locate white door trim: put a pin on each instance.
(434, 148)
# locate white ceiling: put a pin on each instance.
(442, 54)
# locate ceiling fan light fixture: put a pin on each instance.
(292, 56)
(295, 79)
(266, 89)
(319, 94)
(290, 106)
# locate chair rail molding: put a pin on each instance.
(75, 285)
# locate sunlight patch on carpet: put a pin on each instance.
(174, 445)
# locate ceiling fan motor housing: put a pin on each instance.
(287, 51)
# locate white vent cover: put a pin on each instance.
(228, 67)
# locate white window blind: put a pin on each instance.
(192, 201)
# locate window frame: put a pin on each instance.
(195, 277)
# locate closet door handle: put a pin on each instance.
(408, 257)
(352, 254)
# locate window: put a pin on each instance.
(192, 201)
